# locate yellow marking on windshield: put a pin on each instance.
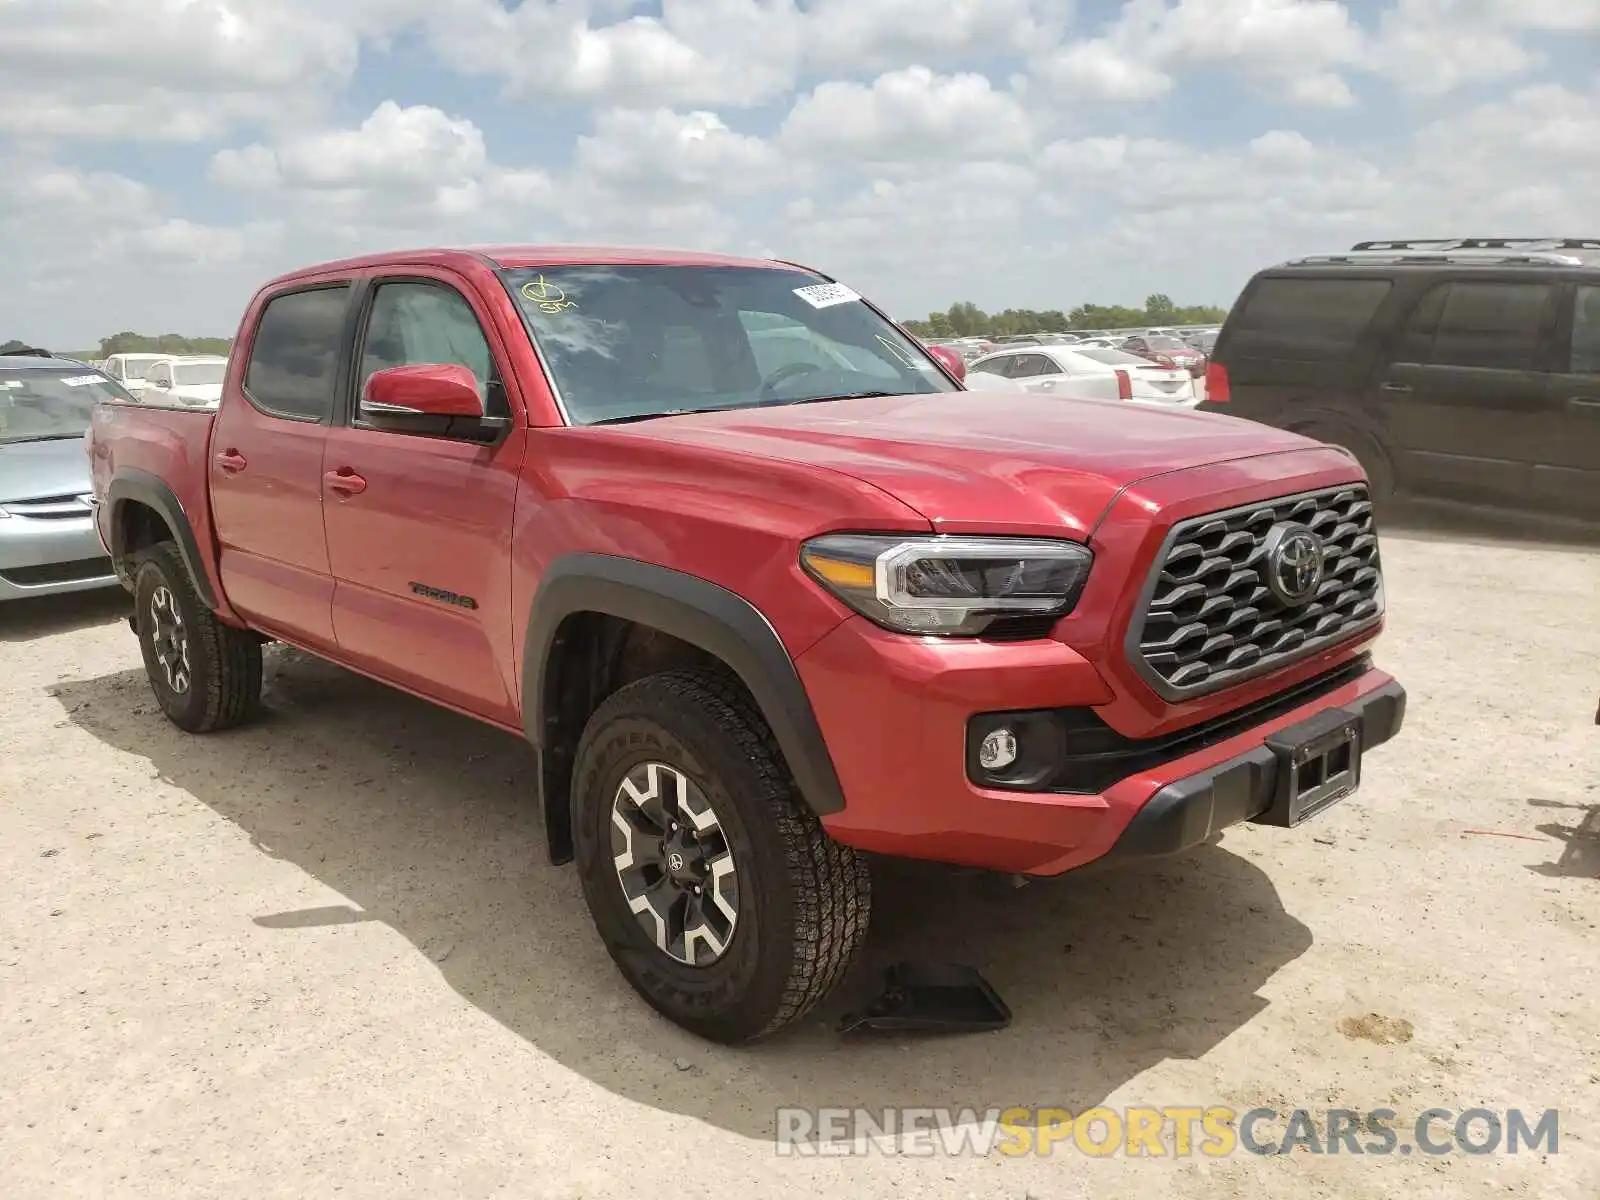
(546, 296)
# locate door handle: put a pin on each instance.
(231, 461)
(345, 480)
(1388, 386)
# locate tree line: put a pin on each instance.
(129, 342)
(966, 319)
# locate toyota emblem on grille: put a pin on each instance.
(1294, 562)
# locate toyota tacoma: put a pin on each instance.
(766, 589)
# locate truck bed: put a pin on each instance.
(162, 448)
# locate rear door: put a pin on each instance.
(266, 464)
(1034, 372)
(421, 553)
(1465, 389)
(1566, 474)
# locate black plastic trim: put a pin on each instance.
(1130, 641)
(698, 612)
(1091, 756)
(1190, 810)
(142, 487)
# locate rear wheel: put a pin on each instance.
(205, 675)
(717, 892)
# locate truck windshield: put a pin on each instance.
(198, 374)
(43, 404)
(631, 342)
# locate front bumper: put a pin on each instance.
(50, 556)
(1188, 811)
(897, 713)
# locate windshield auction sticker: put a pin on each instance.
(826, 295)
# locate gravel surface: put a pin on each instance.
(323, 955)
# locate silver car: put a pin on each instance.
(48, 540)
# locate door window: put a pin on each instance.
(1499, 326)
(414, 323)
(1025, 366)
(991, 366)
(1586, 332)
(294, 358)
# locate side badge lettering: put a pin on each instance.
(444, 597)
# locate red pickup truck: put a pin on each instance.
(765, 588)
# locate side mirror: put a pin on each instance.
(950, 361)
(442, 399)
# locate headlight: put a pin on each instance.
(953, 586)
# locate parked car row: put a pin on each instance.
(48, 544)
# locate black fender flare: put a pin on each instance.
(141, 487)
(695, 611)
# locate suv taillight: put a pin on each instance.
(1124, 385)
(1216, 383)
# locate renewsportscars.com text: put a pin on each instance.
(1172, 1131)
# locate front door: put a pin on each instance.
(266, 467)
(1566, 478)
(1465, 392)
(421, 553)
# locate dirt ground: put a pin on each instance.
(323, 955)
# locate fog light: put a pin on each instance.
(998, 750)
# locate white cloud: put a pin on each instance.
(907, 116)
(1294, 49)
(683, 152)
(410, 148)
(881, 142)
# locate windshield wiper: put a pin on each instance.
(629, 418)
(846, 396)
(39, 437)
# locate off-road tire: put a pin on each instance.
(804, 900)
(224, 664)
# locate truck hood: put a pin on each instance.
(1000, 462)
(33, 470)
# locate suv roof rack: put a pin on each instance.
(1481, 243)
(27, 352)
(1480, 257)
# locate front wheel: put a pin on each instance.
(205, 675)
(717, 892)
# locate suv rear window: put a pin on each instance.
(1305, 320)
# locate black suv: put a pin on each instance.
(1465, 369)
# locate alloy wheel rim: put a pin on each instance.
(674, 864)
(170, 639)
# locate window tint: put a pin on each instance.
(414, 323)
(295, 356)
(1305, 320)
(991, 366)
(1586, 332)
(1025, 366)
(1480, 324)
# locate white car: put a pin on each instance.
(130, 369)
(1091, 373)
(192, 380)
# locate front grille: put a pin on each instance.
(50, 507)
(65, 572)
(1211, 619)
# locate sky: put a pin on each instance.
(160, 159)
